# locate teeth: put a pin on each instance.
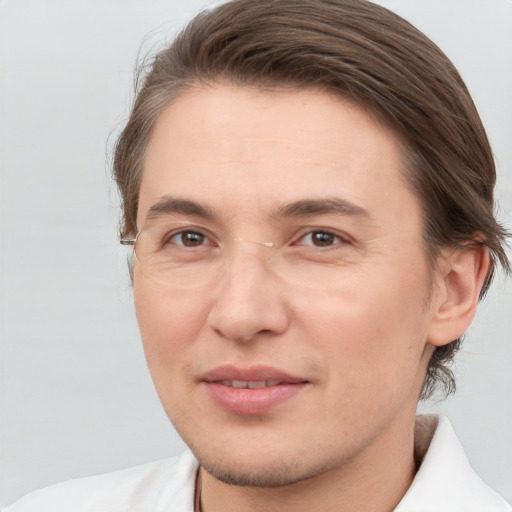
(256, 384)
(243, 384)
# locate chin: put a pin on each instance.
(271, 475)
(264, 462)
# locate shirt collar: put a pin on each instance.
(445, 480)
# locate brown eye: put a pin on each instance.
(320, 239)
(188, 239)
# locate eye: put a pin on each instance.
(321, 238)
(189, 239)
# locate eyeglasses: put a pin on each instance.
(193, 257)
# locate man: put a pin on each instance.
(309, 192)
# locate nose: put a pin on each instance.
(249, 300)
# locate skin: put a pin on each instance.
(361, 336)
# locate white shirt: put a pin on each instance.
(445, 482)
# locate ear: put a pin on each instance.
(460, 276)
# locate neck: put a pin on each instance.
(374, 481)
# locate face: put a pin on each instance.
(287, 334)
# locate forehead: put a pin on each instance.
(239, 147)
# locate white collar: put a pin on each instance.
(445, 481)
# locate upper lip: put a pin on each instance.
(250, 374)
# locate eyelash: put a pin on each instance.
(336, 237)
(171, 236)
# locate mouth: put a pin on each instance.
(257, 390)
(245, 384)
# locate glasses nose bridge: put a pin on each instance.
(244, 253)
(269, 245)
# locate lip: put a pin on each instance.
(251, 401)
(253, 373)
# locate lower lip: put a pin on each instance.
(252, 401)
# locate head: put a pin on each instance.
(273, 57)
(397, 74)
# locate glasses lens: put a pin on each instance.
(189, 258)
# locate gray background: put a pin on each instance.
(76, 397)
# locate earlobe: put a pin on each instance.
(461, 275)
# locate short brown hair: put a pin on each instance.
(362, 52)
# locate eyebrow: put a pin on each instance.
(301, 208)
(169, 204)
(311, 207)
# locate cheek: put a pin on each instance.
(168, 320)
(372, 329)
